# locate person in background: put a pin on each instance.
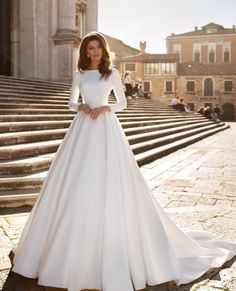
(175, 102)
(128, 85)
(140, 91)
(218, 111)
(182, 106)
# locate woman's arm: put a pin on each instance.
(119, 92)
(74, 96)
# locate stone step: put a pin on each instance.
(49, 124)
(160, 121)
(153, 154)
(169, 133)
(29, 149)
(13, 88)
(33, 125)
(29, 117)
(31, 136)
(145, 142)
(36, 110)
(19, 137)
(32, 181)
(65, 123)
(20, 182)
(33, 99)
(17, 198)
(26, 165)
(31, 82)
(151, 128)
(18, 93)
(139, 142)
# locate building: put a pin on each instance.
(199, 66)
(39, 39)
(207, 66)
(119, 49)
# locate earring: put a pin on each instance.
(88, 56)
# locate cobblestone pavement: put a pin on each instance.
(197, 187)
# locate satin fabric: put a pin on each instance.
(96, 224)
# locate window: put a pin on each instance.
(197, 56)
(146, 86)
(208, 87)
(212, 30)
(226, 56)
(151, 68)
(190, 86)
(228, 86)
(167, 68)
(169, 87)
(131, 67)
(211, 56)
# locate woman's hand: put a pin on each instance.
(84, 108)
(97, 111)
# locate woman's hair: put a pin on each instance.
(84, 62)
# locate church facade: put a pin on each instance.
(39, 39)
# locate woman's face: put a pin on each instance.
(94, 51)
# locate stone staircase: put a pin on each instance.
(34, 118)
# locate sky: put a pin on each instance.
(153, 20)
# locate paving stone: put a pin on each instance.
(16, 219)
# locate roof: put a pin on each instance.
(151, 58)
(193, 68)
(119, 48)
(208, 29)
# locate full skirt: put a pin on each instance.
(96, 224)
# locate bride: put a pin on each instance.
(96, 224)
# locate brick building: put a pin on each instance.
(199, 66)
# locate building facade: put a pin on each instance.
(39, 39)
(207, 66)
(199, 66)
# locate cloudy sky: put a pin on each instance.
(153, 20)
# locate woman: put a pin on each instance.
(96, 224)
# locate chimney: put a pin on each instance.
(142, 46)
(196, 28)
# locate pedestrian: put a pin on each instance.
(96, 224)
(128, 85)
(175, 102)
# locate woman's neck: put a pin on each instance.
(94, 66)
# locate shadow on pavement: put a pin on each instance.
(15, 282)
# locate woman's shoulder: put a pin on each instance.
(115, 72)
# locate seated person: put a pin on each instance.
(175, 102)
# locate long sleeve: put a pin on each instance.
(74, 96)
(119, 92)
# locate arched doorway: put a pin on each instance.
(5, 38)
(208, 87)
(229, 112)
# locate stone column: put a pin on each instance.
(65, 39)
(15, 38)
(27, 36)
(92, 16)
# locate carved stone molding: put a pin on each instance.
(66, 36)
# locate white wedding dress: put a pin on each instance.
(96, 224)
